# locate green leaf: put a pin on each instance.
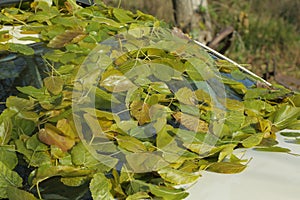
(238, 75)
(226, 151)
(33, 143)
(284, 116)
(162, 72)
(32, 91)
(54, 84)
(115, 81)
(45, 172)
(100, 187)
(145, 162)
(253, 140)
(122, 15)
(177, 177)
(290, 134)
(295, 141)
(186, 96)
(131, 144)
(8, 178)
(74, 181)
(21, 48)
(19, 104)
(23, 126)
(274, 149)
(8, 156)
(138, 195)
(199, 70)
(33, 158)
(14, 193)
(167, 192)
(160, 87)
(107, 21)
(82, 156)
(5, 130)
(103, 95)
(226, 167)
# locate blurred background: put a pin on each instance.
(263, 36)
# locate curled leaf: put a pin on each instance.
(52, 136)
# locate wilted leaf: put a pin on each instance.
(190, 122)
(51, 136)
(140, 111)
(65, 38)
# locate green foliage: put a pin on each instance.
(177, 122)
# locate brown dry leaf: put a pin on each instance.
(140, 111)
(190, 122)
(50, 135)
(65, 38)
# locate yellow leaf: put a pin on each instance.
(54, 84)
(140, 111)
(190, 122)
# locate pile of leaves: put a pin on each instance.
(129, 110)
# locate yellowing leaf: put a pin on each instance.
(226, 167)
(177, 176)
(54, 84)
(140, 111)
(131, 144)
(190, 122)
(186, 96)
(253, 140)
(145, 162)
(66, 127)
